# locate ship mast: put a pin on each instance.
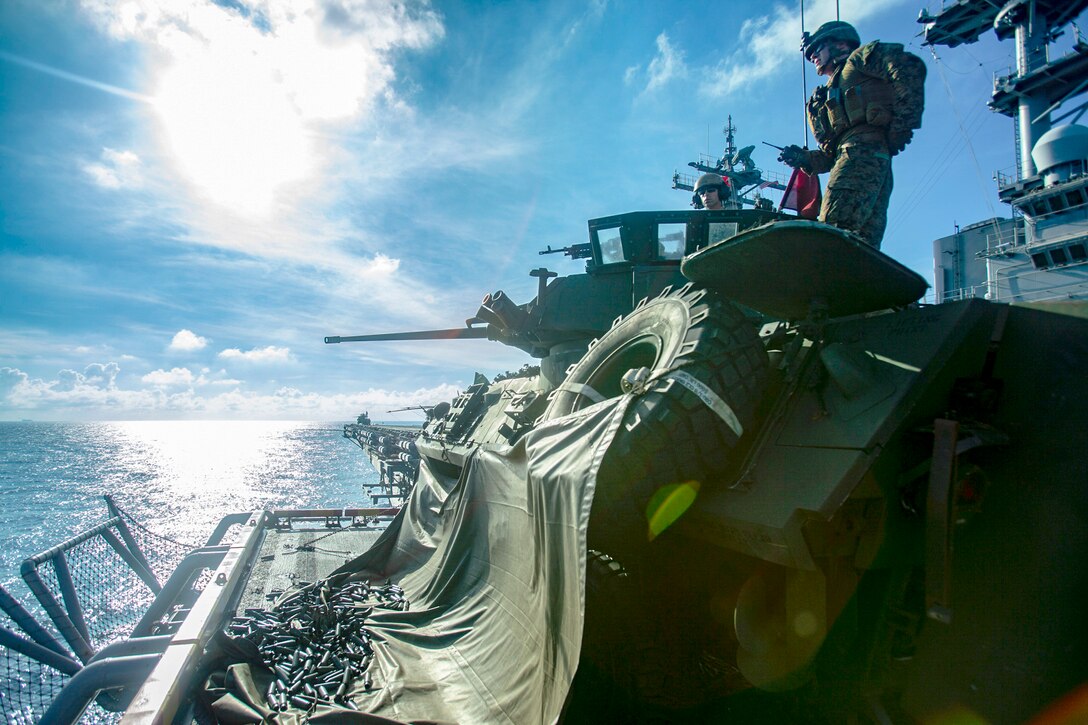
(737, 166)
(730, 145)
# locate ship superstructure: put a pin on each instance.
(749, 182)
(1041, 253)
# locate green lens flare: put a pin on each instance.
(668, 504)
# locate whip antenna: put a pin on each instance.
(804, 80)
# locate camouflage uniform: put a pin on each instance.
(864, 115)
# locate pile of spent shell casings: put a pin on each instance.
(314, 641)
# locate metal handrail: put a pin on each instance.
(28, 624)
(106, 674)
(68, 617)
(163, 691)
(183, 576)
(35, 651)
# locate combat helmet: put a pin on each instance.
(705, 181)
(829, 32)
(709, 180)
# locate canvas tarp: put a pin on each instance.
(493, 565)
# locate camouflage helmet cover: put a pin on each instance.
(830, 32)
(709, 180)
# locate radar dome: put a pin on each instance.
(1060, 152)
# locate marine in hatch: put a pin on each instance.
(711, 192)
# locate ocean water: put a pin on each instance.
(178, 478)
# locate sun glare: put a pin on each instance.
(243, 86)
(232, 130)
(248, 95)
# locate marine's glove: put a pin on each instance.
(898, 140)
(794, 156)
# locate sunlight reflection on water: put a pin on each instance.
(179, 478)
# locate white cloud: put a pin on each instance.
(378, 266)
(12, 379)
(100, 375)
(220, 378)
(595, 10)
(666, 65)
(258, 354)
(21, 394)
(95, 375)
(187, 341)
(164, 378)
(97, 382)
(117, 170)
(772, 41)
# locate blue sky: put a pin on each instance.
(193, 194)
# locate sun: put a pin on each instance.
(231, 127)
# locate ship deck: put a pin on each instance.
(289, 558)
(272, 555)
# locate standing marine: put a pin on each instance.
(865, 114)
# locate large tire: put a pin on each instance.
(670, 437)
(604, 689)
(622, 676)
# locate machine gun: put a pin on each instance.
(425, 408)
(574, 251)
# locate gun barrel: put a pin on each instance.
(457, 333)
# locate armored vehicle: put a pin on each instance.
(751, 477)
(822, 500)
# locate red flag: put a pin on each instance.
(803, 195)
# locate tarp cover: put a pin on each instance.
(493, 565)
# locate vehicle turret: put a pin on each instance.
(629, 257)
